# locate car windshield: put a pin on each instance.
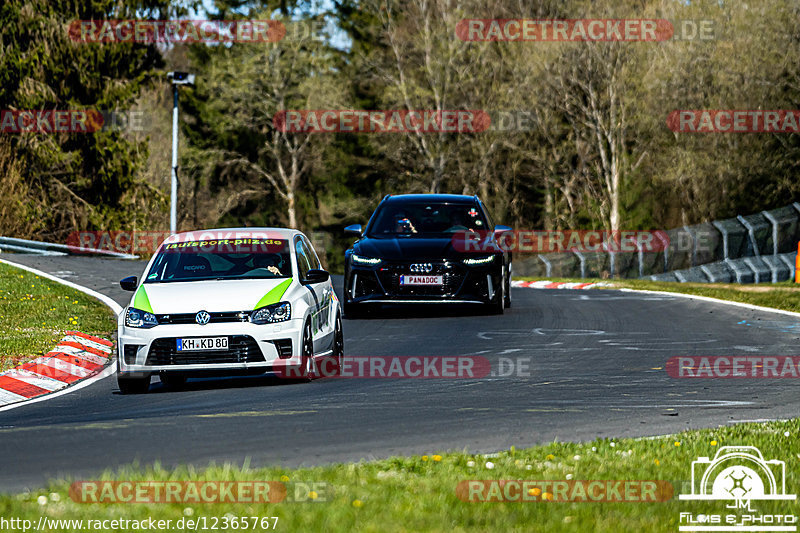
(425, 220)
(221, 259)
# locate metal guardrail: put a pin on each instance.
(13, 244)
(760, 247)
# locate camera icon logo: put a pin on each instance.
(738, 473)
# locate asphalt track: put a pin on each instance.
(596, 362)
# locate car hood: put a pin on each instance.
(212, 295)
(407, 248)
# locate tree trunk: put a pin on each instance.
(614, 200)
(290, 209)
(549, 205)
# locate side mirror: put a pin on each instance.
(129, 284)
(353, 228)
(316, 276)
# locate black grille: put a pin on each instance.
(284, 347)
(189, 318)
(130, 353)
(452, 277)
(241, 349)
(367, 284)
(478, 285)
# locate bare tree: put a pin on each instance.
(423, 67)
(251, 84)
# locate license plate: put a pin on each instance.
(421, 280)
(202, 343)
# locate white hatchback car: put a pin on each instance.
(229, 301)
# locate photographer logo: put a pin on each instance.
(739, 476)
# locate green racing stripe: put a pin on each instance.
(274, 296)
(141, 301)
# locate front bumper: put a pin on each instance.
(250, 346)
(461, 284)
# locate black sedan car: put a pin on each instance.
(412, 251)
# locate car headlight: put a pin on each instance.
(361, 260)
(136, 318)
(479, 261)
(270, 314)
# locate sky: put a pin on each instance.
(339, 38)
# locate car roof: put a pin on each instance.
(430, 198)
(234, 233)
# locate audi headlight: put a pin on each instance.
(476, 261)
(136, 318)
(366, 261)
(270, 314)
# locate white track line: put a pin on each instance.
(109, 370)
(685, 295)
(716, 301)
(102, 297)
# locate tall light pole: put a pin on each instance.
(177, 78)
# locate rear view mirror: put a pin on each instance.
(316, 276)
(353, 228)
(129, 284)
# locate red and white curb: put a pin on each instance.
(547, 284)
(95, 374)
(78, 356)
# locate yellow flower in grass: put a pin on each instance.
(677, 443)
(550, 457)
(713, 443)
(547, 496)
(357, 503)
(284, 478)
(437, 458)
(657, 462)
(534, 492)
(313, 495)
(424, 457)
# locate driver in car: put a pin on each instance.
(403, 224)
(268, 261)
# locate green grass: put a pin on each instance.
(35, 312)
(419, 493)
(784, 295)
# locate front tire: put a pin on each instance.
(498, 305)
(338, 346)
(133, 385)
(508, 287)
(307, 363)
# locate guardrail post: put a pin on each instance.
(774, 222)
(547, 265)
(725, 240)
(582, 259)
(51, 248)
(751, 233)
(694, 245)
